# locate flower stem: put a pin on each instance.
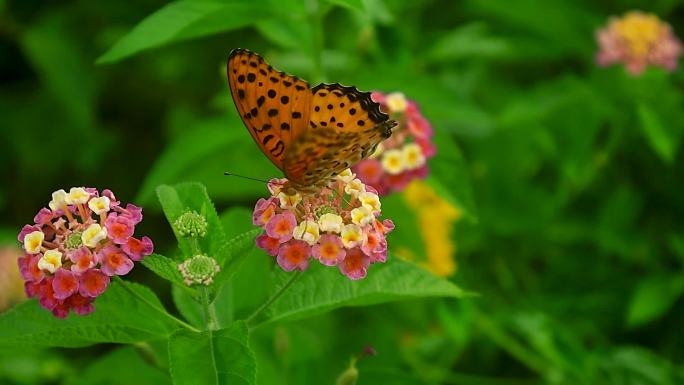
(209, 311)
(274, 297)
(154, 306)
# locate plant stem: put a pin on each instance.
(209, 311)
(194, 245)
(274, 297)
(155, 307)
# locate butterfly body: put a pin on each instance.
(311, 134)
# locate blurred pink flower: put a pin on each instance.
(403, 157)
(637, 40)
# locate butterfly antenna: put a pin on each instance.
(227, 173)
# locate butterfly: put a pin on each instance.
(310, 134)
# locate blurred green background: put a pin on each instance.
(571, 187)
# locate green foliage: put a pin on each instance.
(182, 20)
(212, 357)
(120, 317)
(319, 291)
(568, 176)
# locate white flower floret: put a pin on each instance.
(352, 236)
(289, 201)
(50, 261)
(330, 222)
(355, 187)
(362, 216)
(99, 205)
(77, 195)
(93, 235)
(396, 102)
(413, 156)
(33, 242)
(393, 161)
(371, 201)
(58, 200)
(306, 231)
(346, 176)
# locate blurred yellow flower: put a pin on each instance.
(11, 283)
(436, 217)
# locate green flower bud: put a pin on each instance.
(199, 270)
(74, 240)
(191, 224)
(325, 210)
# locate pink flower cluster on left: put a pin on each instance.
(76, 245)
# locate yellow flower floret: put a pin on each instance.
(413, 156)
(370, 201)
(355, 187)
(33, 242)
(352, 236)
(77, 195)
(58, 200)
(330, 222)
(396, 102)
(393, 161)
(289, 201)
(307, 231)
(50, 261)
(99, 205)
(93, 235)
(362, 216)
(346, 176)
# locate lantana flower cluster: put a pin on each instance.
(638, 39)
(76, 245)
(402, 157)
(338, 226)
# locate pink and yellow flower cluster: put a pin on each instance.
(638, 39)
(76, 245)
(338, 226)
(403, 157)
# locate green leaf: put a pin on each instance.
(322, 289)
(188, 306)
(119, 317)
(182, 20)
(467, 42)
(653, 297)
(202, 152)
(449, 176)
(191, 308)
(236, 251)
(178, 199)
(236, 220)
(137, 370)
(212, 357)
(62, 66)
(659, 137)
(163, 267)
(354, 5)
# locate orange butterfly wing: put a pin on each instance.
(310, 134)
(273, 106)
(345, 126)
